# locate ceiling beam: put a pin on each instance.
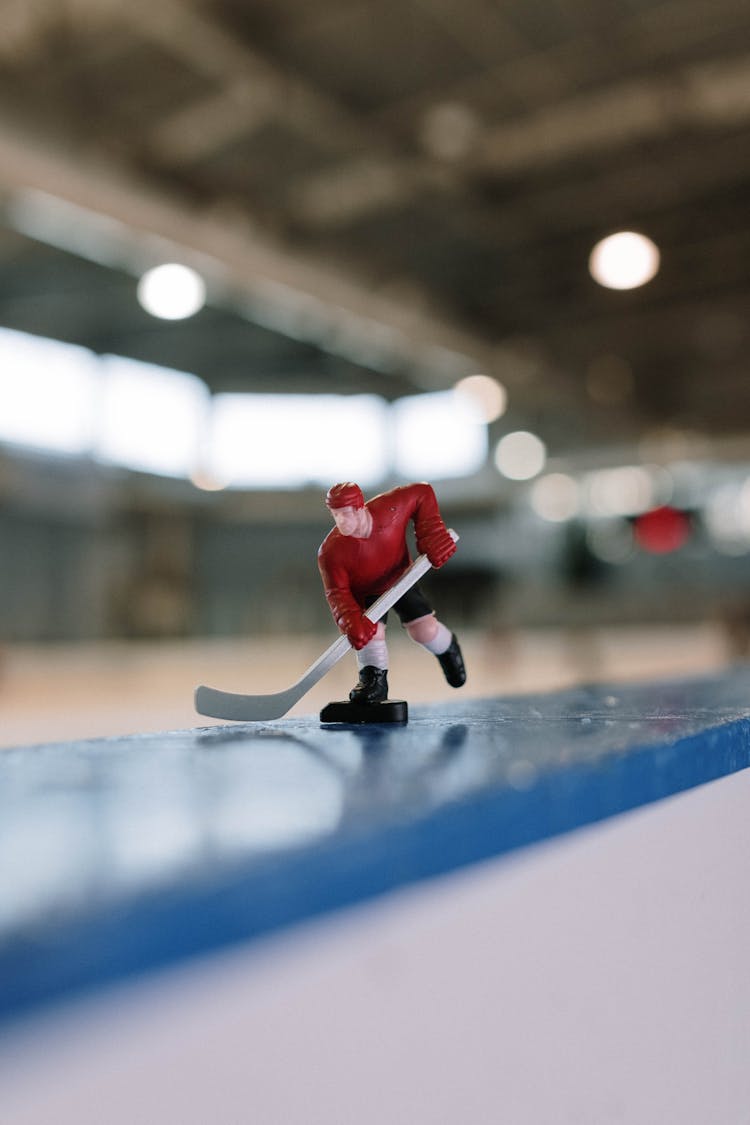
(251, 84)
(716, 93)
(205, 125)
(346, 192)
(250, 89)
(706, 96)
(273, 283)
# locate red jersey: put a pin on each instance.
(356, 571)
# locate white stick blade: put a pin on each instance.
(242, 708)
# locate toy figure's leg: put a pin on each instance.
(428, 631)
(420, 622)
(437, 639)
(375, 651)
(372, 661)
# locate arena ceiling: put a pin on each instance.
(385, 195)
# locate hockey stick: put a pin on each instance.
(261, 708)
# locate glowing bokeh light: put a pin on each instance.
(555, 497)
(624, 491)
(727, 517)
(47, 393)
(151, 418)
(289, 441)
(172, 292)
(520, 455)
(490, 396)
(437, 436)
(624, 260)
(662, 530)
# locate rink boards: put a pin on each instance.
(124, 856)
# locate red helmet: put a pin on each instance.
(347, 495)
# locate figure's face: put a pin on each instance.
(348, 520)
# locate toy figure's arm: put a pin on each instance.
(433, 537)
(346, 610)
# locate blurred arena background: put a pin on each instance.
(249, 249)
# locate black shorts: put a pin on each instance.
(412, 606)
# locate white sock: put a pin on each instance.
(374, 654)
(441, 642)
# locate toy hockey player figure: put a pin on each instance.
(363, 556)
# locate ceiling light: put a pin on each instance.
(520, 455)
(172, 292)
(486, 393)
(624, 260)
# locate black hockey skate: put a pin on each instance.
(452, 663)
(372, 686)
(368, 702)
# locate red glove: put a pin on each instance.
(359, 629)
(438, 546)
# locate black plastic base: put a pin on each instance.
(390, 711)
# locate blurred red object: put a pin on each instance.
(662, 530)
